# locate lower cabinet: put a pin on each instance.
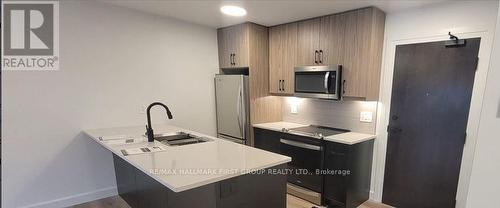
(247, 191)
(346, 168)
(347, 182)
(267, 140)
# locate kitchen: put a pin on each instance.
(315, 95)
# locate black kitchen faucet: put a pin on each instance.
(149, 128)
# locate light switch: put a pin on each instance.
(366, 116)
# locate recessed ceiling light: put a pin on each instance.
(233, 11)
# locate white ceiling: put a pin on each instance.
(264, 12)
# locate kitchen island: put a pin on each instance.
(213, 174)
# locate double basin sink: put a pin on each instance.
(180, 139)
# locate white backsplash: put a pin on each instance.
(337, 114)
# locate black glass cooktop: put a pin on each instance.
(317, 131)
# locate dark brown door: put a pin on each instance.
(431, 96)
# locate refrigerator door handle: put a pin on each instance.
(239, 110)
(243, 111)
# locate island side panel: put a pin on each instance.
(254, 190)
(125, 181)
(247, 191)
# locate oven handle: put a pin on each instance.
(301, 145)
(327, 78)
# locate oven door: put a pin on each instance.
(305, 156)
(317, 82)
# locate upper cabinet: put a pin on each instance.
(282, 56)
(362, 61)
(233, 46)
(353, 39)
(308, 42)
(320, 41)
(331, 41)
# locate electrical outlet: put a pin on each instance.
(294, 108)
(366, 116)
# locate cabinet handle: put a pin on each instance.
(316, 56)
(279, 85)
(283, 85)
(234, 59)
(231, 59)
(320, 56)
(343, 87)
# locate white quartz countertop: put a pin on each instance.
(348, 138)
(185, 167)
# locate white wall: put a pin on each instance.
(113, 61)
(432, 23)
(484, 187)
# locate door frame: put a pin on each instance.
(384, 104)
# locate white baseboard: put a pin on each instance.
(76, 199)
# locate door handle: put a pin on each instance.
(394, 130)
(316, 56)
(320, 56)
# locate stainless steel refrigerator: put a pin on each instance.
(231, 93)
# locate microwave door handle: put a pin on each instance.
(327, 78)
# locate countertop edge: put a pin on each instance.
(187, 187)
(335, 138)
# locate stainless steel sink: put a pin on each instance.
(180, 139)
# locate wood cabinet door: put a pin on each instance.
(239, 44)
(363, 53)
(275, 59)
(289, 58)
(224, 43)
(332, 40)
(282, 58)
(351, 67)
(308, 42)
(233, 46)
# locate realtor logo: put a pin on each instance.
(30, 35)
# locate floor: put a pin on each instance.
(292, 202)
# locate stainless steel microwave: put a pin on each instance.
(318, 82)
